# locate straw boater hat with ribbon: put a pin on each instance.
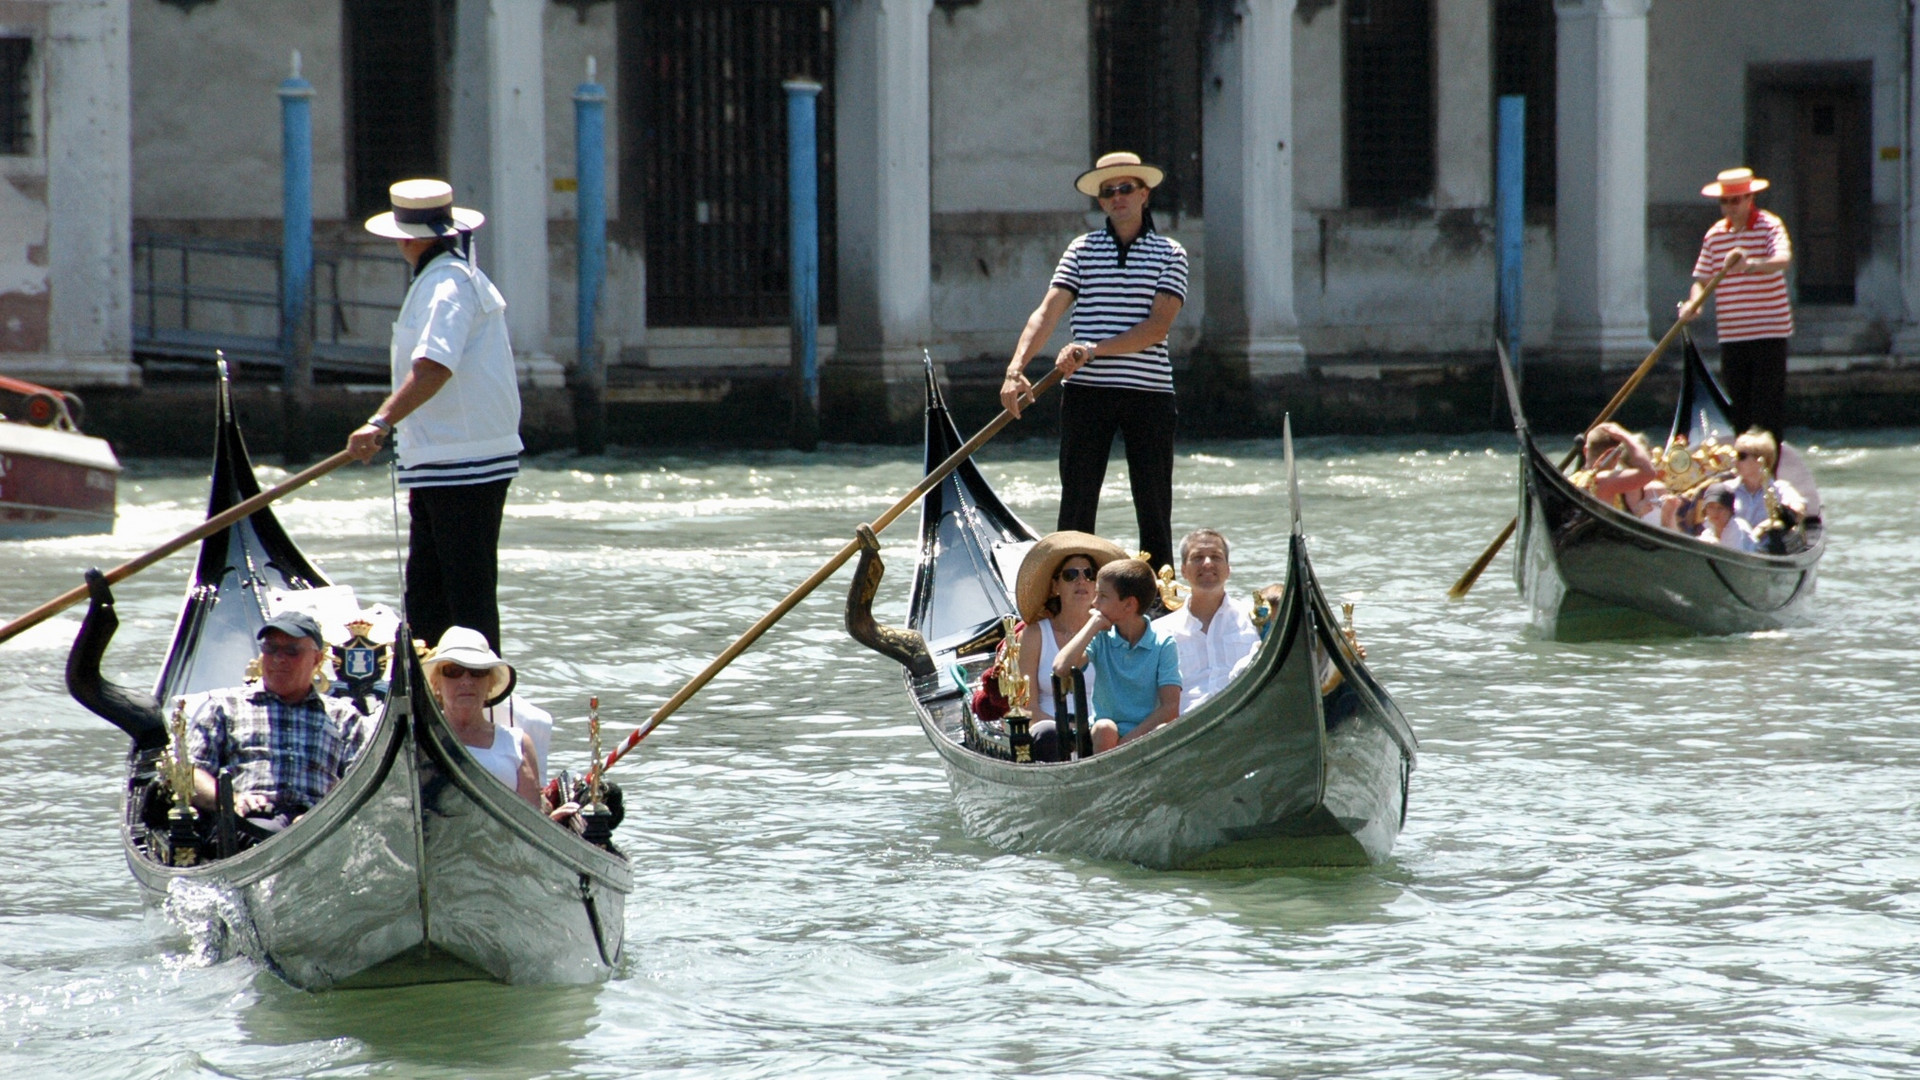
(469, 649)
(1036, 570)
(1734, 182)
(1117, 164)
(422, 210)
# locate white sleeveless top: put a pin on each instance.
(1042, 706)
(502, 759)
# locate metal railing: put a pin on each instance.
(193, 295)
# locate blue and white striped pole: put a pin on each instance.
(803, 259)
(590, 166)
(1510, 219)
(296, 257)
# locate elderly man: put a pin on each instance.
(1125, 284)
(1213, 632)
(289, 744)
(456, 388)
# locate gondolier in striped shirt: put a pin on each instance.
(1752, 315)
(455, 412)
(1125, 283)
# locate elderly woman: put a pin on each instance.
(466, 676)
(1055, 591)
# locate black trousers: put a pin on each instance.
(1090, 416)
(453, 561)
(1755, 375)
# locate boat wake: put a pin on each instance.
(215, 920)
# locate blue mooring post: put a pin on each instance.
(296, 260)
(1510, 238)
(803, 259)
(590, 166)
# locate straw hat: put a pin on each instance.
(1118, 163)
(1734, 182)
(1036, 570)
(423, 209)
(468, 648)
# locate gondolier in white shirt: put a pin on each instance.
(455, 412)
(1125, 284)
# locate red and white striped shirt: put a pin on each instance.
(1748, 307)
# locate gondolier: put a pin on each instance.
(456, 389)
(1753, 317)
(1125, 284)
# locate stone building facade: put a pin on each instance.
(1333, 165)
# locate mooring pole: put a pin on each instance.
(590, 166)
(296, 261)
(1510, 239)
(803, 259)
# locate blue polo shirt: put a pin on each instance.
(1131, 675)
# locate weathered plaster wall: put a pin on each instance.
(23, 205)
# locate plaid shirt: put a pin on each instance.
(291, 752)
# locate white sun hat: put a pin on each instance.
(422, 210)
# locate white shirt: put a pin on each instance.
(517, 712)
(454, 316)
(1208, 657)
(1751, 506)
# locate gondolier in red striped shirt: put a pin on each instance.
(1124, 283)
(1751, 311)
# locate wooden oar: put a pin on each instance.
(200, 532)
(1479, 566)
(740, 645)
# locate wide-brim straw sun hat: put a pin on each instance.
(468, 648)
(1732, 182)
(1031, 585)
(1117, 164)
(422, 210)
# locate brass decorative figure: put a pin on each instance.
(596, 789)
(176, 768)
(1017, 689)
(1170, 588)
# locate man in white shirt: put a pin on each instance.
(1212, 632)
(457, 391)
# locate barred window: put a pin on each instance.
(396, 52)
(1524, 39)
(1146, 81)
(1389, 102)
(16, 95)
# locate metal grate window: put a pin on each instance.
(1389, 102)
(1525, 36)
(396, 52)
(16, 95)
(1147, 58)
(710, 154)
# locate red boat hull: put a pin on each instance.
(54, 483)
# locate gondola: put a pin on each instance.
(1589, 570)
(1271, 772)
(419, 866)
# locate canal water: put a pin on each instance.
(1689, 857)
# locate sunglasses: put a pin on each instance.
(1749, 455)
(1073, 573)
(291, 652)
(1124, 187)
(1729, 200)
(455, 671)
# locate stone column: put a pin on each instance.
(1600, 220)
(1247, 117)
(89, 147)
(497, 158)
(871, 387)
(1906, 339)
(1463, 114)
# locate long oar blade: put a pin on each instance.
(200, 532)
(752, 634)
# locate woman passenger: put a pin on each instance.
(1055, 591)
(465, 677)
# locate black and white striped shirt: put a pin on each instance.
(1113, 286)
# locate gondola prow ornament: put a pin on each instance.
(360, 663)
(1017, 690)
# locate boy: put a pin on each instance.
(1139, 685)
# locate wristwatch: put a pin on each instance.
(383, 425)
